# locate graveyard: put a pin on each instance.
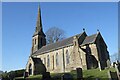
(91, 74)
(109, 73)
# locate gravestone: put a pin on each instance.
(25, 74)
(112, 75)
(99, 65)
(66, 76)
(46, 76)
(79, 73)
(109, 75)
(117, 67)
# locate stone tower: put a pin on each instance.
(38, 38)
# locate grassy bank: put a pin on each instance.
(87, 75)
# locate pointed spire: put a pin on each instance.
(39, 21)
(39, 30)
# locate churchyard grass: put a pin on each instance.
(91, 74)
(35, 77)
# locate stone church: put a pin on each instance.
(78, 51)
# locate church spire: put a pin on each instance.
(38, 39)
(39, 21)
(39, 30)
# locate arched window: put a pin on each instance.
(67, 57)
(35, 40)
(57, 60)
(48, 61)
(53, 61)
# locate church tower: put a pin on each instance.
(38, 38)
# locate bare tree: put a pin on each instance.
(54, 34)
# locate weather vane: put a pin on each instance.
(97, 30)
(83, 29)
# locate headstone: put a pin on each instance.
(117, 67)
(112, 75)
(46, 76)
(62, 77)
(109, 75)
(66, 76)
(99, 65)
(97, 79)
(25, 74)
(79, 73)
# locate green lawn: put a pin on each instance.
(87, 75)
(96, 73)
(35, 77)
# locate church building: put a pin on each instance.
(78, 51)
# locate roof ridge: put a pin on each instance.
(62, 40)
(90, 39)
(56, 45)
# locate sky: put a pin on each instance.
(119, 31)
(19, 22)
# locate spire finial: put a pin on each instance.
(98, 31)
(84, 29)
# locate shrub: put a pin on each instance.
(4, 76)
(12, 74)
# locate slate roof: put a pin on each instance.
(36, 60)
(59, 44)
(65, 42)
(90, 39)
